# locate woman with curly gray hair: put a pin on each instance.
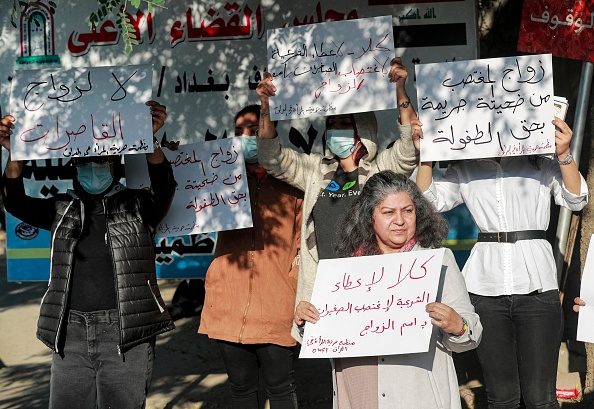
(390, 216)
(358, 236)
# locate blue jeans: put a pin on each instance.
(91, 374)
(241, 361)
(519, 350)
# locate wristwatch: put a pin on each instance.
(566, 161)
(405, 104)
(156, 144)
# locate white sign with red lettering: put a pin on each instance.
(81, 112)
(331, 68)
(373, 305)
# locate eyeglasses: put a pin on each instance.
(82, 162)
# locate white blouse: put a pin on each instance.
(508, 196)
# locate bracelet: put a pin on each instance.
(262, 114)
(464, 328)
(566, 161)
(405, 104)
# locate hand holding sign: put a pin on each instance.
(158, 114)
(13, 169)
(563, 135)
(6, 127)
(578, 303)
(398, 72)
(445, 317)
(306, 312)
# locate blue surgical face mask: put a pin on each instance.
(249, 145)
(94, 177)
(341, 142)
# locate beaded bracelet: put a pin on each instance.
(464, 328)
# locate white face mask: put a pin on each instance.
(341, 142)
(249, 145)
(94, 177)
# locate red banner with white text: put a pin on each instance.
(560, 27)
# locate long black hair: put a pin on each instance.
(357, 237)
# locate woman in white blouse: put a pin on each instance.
(511, 273)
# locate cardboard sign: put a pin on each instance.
(212, 193)
(486, 108)
(81, 112)
(331, 68)
(373, 305)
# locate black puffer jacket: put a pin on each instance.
(131, 216)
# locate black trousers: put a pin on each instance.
(242, 362)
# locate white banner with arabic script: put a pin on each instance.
(486, 108)
(331, 68)
(212, 190)
(81, 112)
(373, 305)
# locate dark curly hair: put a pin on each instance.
(357, 236)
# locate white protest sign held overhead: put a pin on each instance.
(212, 190)
(585, 329)
(373, 305)
(331, 68)
(486, 108)
(81, 112)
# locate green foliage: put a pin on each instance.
(105, 7)
(126, 27)
(127, 32)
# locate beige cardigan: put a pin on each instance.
(428, 380)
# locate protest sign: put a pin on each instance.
(81, 112)
(486, 108)
(212, 192)
(373, 305)
(585, 329)
(331, 68)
